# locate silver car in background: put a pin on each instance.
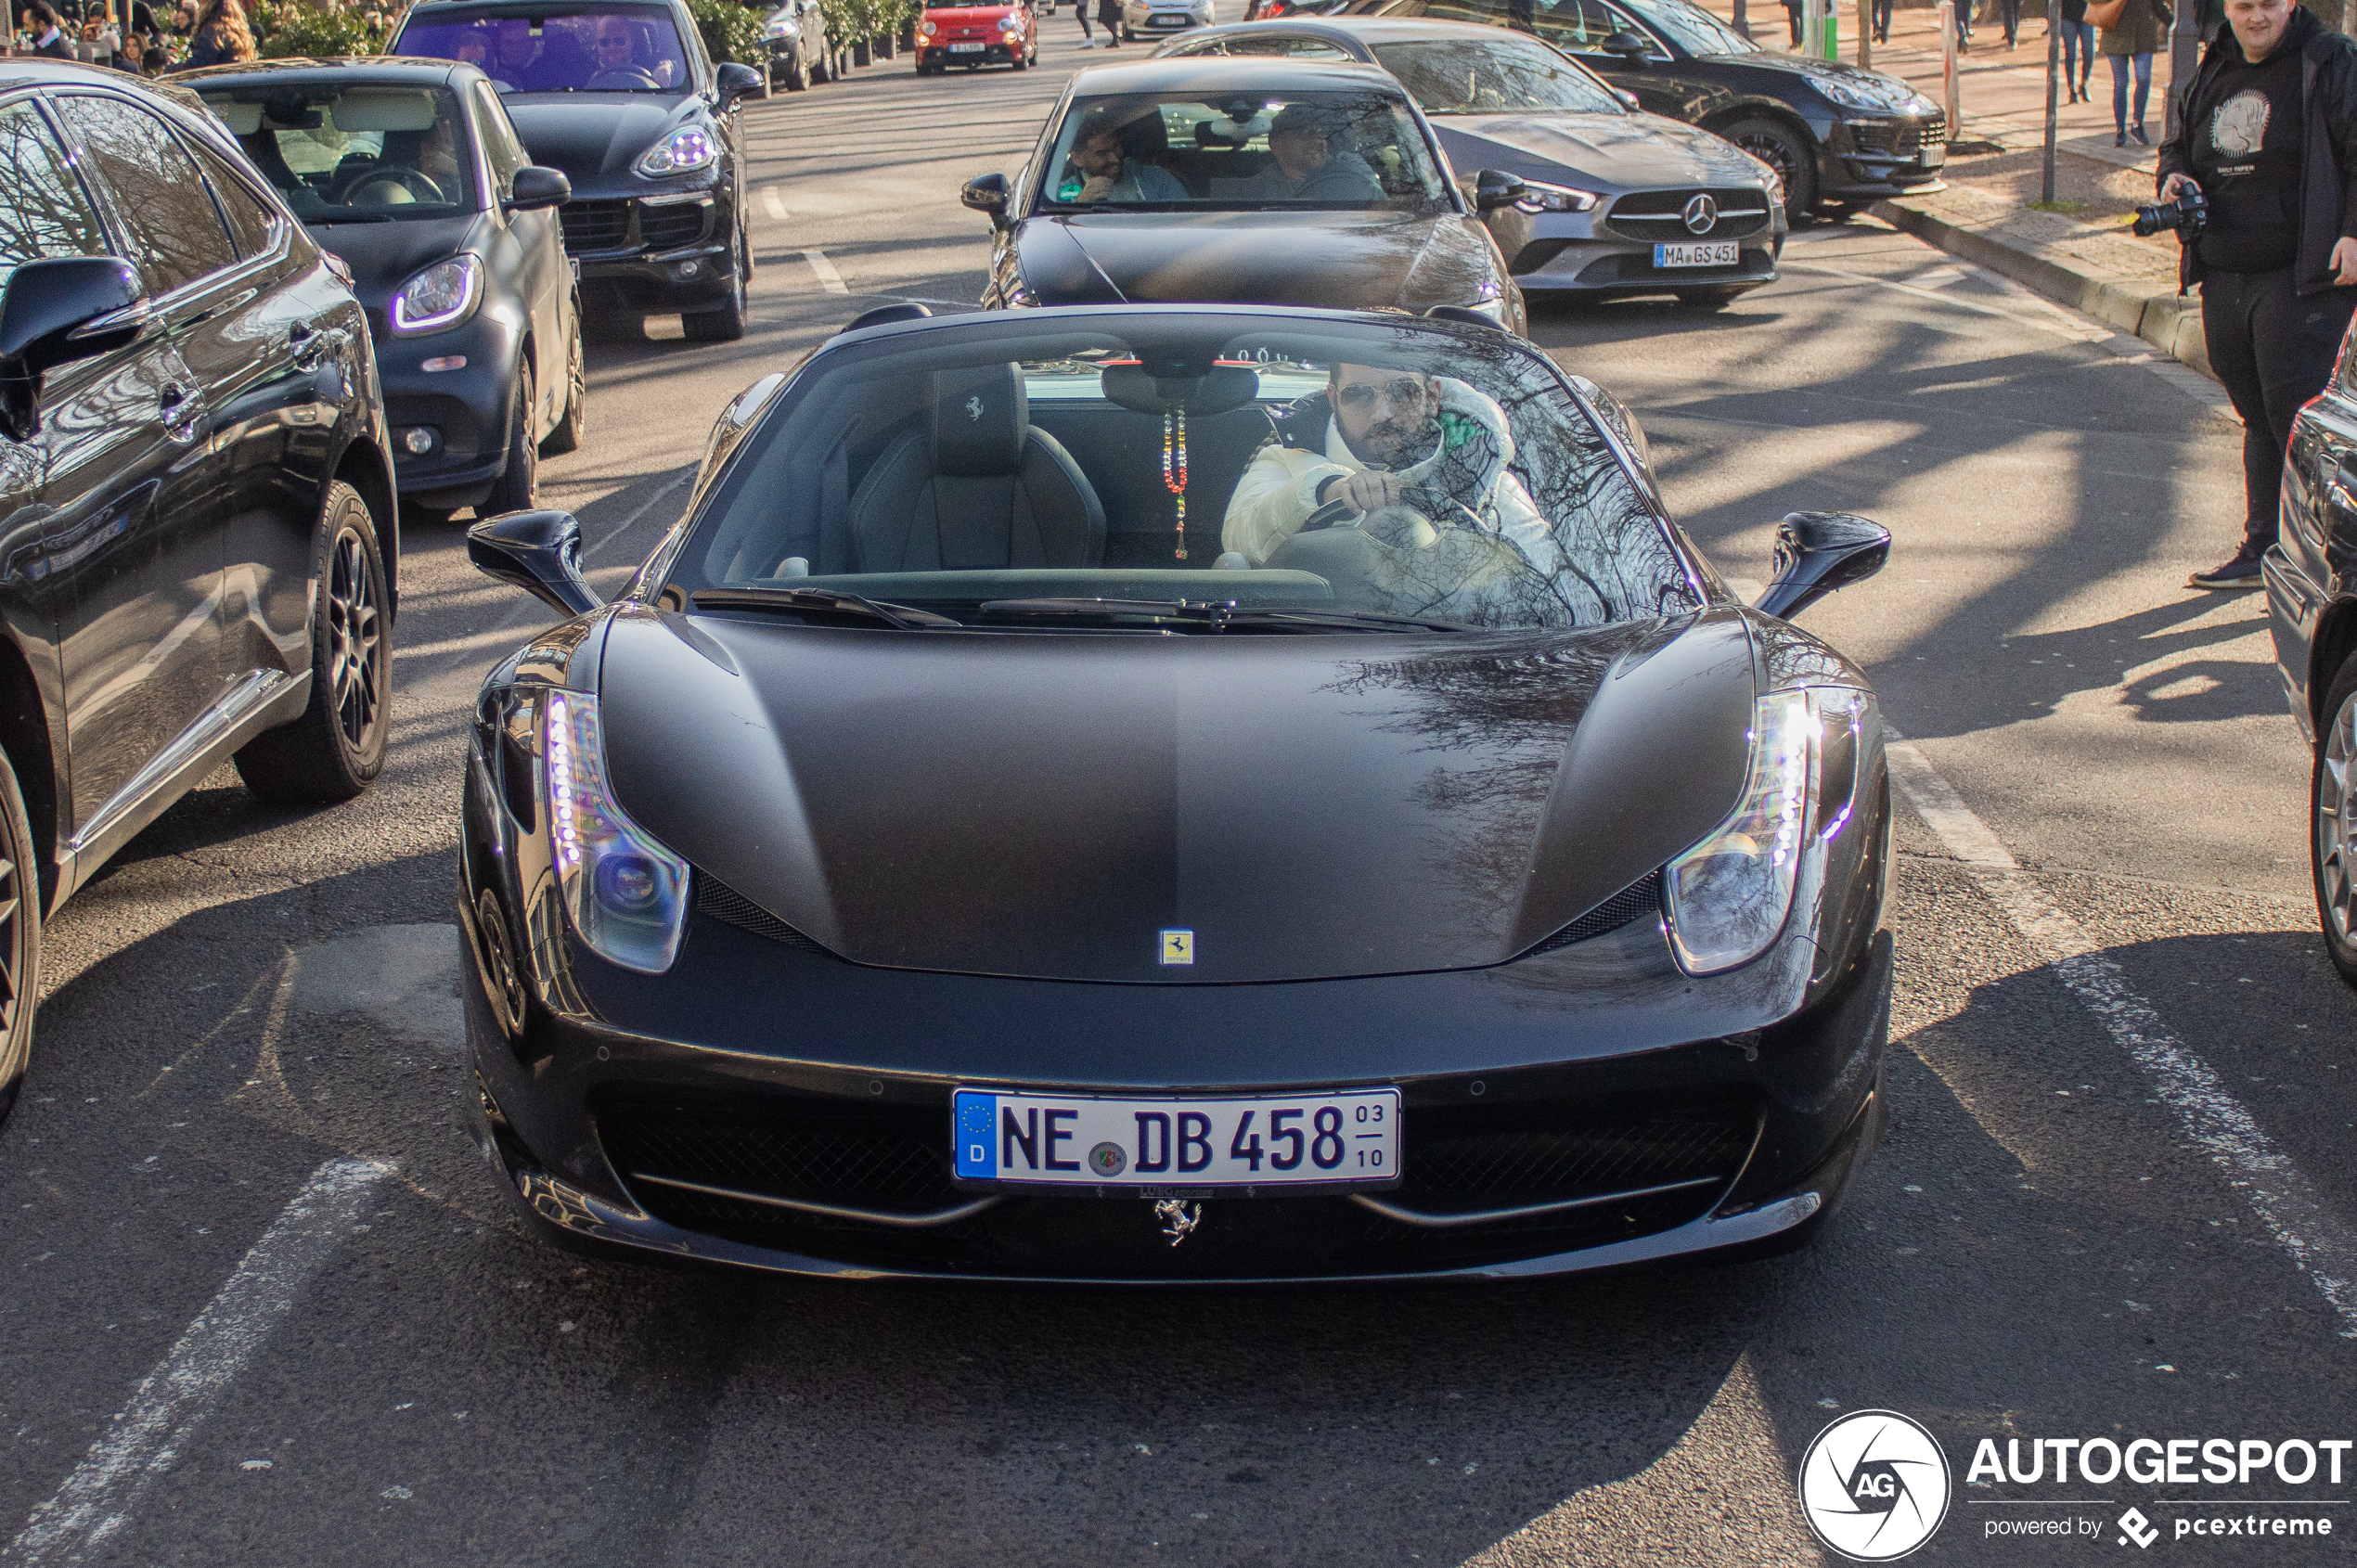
(1155, 19)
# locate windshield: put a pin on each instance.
(561, 50)
(1509, 76)
(359, 154)
(1326, 150)
(1334, 472)
(1692, 28)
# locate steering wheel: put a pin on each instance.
(627, 79)
(1328, 516)
(417, 185)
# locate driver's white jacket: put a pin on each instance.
(1279, 492)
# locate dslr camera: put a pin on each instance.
(2189, 214)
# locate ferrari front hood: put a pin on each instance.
(1048, 806)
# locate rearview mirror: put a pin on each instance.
(734, 82)
(987, 194)
(54, 312)
(1818, 552)
(1635, 50)
(539, 552)
(1494, 188)
(535, 188)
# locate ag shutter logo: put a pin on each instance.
(1873, 1485)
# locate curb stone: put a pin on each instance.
(2160, 317)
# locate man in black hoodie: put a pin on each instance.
(2267, 130)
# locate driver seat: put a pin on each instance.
(979, 487)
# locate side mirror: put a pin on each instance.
(539, 552)
(535, 188)
(1494, 188)
(54, 312)
(1628, 100)
(1818, 552)
(987, 194)
(1628, 46)
(734, 82)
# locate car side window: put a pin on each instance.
(500, 148)
(1574, 24)
(253, 224)
(1490, 13)
(177, 233)
(44, 211)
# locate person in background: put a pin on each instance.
(222, 36)
(1882, 20)
(1087, 39)
(2078, 48)
(1792, 14)
(48, 39)
(2142, 27)
(1109, 13)
(2009, 12)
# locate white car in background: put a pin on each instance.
(1151, 19)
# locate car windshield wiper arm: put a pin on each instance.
(1217, 615)
(823, 605)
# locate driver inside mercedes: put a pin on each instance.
(1379, 445)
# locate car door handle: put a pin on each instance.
(180, 407)
(309, 343)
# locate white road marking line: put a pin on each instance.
(775, 204)
(149, 1437)
(829, 278)
(2320, 1242)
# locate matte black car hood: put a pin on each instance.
(1044, 806)
(1606, 152)
(384, 256)
(1348, 261)
(592, 135)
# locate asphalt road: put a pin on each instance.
(2122, 1078)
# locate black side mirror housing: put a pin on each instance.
(1627, 100)
(734, 82)
(1819, 552)
(55, 311)
(536, 186)
(1628, 46)
(539, 552)
(1494, 188)
(987, 194)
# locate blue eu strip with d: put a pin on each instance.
(977, 1136)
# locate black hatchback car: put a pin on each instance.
(620, 97)
(196, 495)
(409, 171)
(1835, 135)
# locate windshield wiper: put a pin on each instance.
(824, 606)
(1212, 616)
(326, 218)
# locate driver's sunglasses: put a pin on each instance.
(1406, 392)
(605, 43)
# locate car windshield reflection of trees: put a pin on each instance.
(1247, 151)
(622, 50)
(902, 473)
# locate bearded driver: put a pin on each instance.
(1379, 438)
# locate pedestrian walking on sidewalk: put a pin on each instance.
(1087, 39)
(2078, 48)
(2009, 12)
(2129, 42)
(1109, 13)
(1882, 20)
(1792, 14)
(2267, 132)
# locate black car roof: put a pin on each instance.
(1364, 29)
(299, 71)
(1029, 320)
(1221, 74)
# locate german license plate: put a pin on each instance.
(1321, 1138)
(1935, 154)
(1707, 253)
(965, 48)
(1167, 22)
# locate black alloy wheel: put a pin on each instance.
(797, 72)
(19, 936)
(496, 950)
(727, 323)
(2332, 801)
(1783, 149)
(519, 481)
(337, 748)
(574, 424)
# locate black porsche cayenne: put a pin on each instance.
(1181, 793)
(620, 97)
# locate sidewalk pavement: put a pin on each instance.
(2081, 254)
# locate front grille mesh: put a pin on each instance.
(1639, 898)
(717, 899)
(1501, 1167)
(847, 1157)
(1898, 139)
(1660, 214)
(666, 228)
(595, 225)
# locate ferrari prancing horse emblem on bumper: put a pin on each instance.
(1178, 946)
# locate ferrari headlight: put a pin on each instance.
(1540, 196)
(627, 894)
(1728, 897)
(681, 152)
(443, 295)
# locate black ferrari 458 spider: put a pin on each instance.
(1170, 794)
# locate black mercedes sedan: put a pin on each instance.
(1251, 180)
(1615, 200)
(1177, 793)
(408, 172)
(1835, 135)
(196, 495)
(620, 97)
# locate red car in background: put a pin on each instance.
(974, 37)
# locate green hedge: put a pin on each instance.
(731, 31)
(293, 28)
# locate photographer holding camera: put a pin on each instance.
(2259, 180)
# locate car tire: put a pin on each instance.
(2332, 814)
(337, 748)
(727, 323)
(1784, 150)
(574, 423)
(19, 936)
(520, 479)
(798, 73)
(1709, 299)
